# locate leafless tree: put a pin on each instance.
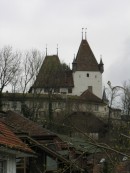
(9, 65)
(126, 98)
(32, 61)
(30, 67)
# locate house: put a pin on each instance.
(86, 74)
(51, 151)
(11, 148)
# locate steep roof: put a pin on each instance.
(85, 59)
(53, 75)
(20, 124)
(104, 97)
(9, 140)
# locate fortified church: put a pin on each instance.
(85, 76)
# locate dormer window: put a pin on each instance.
(87, 74)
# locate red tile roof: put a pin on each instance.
(19, 123)
(10, 140)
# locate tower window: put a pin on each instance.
(87, 74)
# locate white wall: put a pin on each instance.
(81, 82)
(11, 164)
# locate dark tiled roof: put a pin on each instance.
(20, 124)
(52, 75)
(10, 140)
(86, 122)
(85, 59)
(90, 97)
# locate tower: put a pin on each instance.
(87, 73)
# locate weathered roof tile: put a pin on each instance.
(10, 140)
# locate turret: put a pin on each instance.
(104, 97)
(74, 64)
(101, 66)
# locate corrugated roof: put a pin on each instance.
(10, 140)
(85, 59)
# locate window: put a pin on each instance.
(87, 74)
(45, 90)
(96, 107)
(2, 166)
(14, 105)
(69, 90)
(56, 90)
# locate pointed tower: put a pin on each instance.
(104, 97)
(101, 66)
(87, 73)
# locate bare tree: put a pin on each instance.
(9, 65)
(126, 98)
(30, 67)
(32, 61)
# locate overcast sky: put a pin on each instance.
(27, 24)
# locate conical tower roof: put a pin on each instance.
(85, 59)
(104, 97)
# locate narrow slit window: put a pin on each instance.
(87, 74)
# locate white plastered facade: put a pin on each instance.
(84, 80)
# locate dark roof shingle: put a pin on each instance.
(52, 75)
(85, 59)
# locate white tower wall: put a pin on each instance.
(85, 80)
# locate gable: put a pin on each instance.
(9, 140)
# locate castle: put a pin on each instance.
(86, 74)
(66, 90)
